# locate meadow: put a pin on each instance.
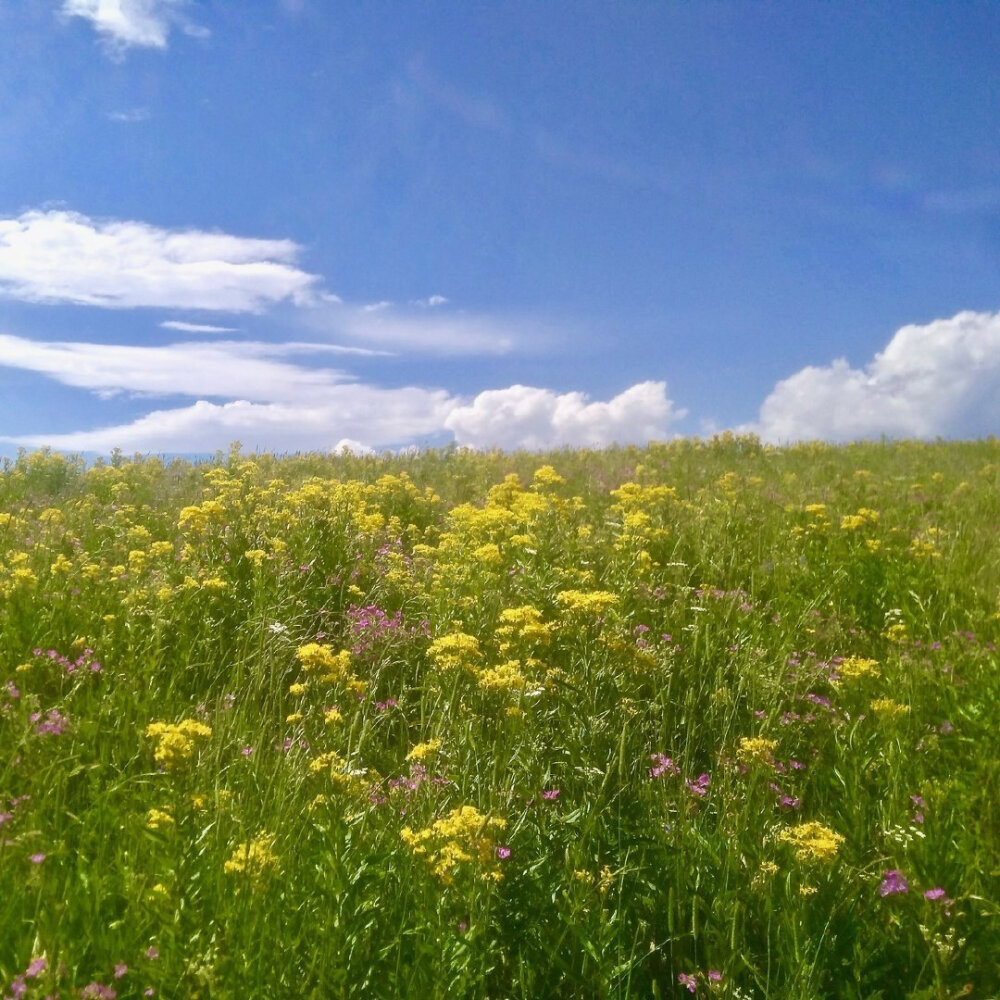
(708, 718)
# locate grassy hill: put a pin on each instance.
(707, 718)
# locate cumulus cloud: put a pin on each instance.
(534, 419)
(937, 379)
(139, 23)
(350, 447)
(60, 256)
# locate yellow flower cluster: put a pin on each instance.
(454, 650)
(812, 841)
(546, 476)
(157, 819)
(176, 742)
(756, 750)
(862, 519)
(523, 624)
(253, 859)
(335, 666)
(489, 554)
(424, 750)
(587, 603)
(886, 708)
(198, 518)
(333, 766)
(818, 524)
(506, 676)
(897, 632)
(462, 838)
(855, 667)
(925, 545)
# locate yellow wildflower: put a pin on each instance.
(333, 766)
(355, 686)
(176, 742)
(156, 819)
(756, 750)
(488, 554)
(336, 666)
(454, 650)
(505, 677)
(253, 859)
(587, 603)
(812, 841)
(546, 476)
(61, 564)
(886, 708)
(856, 667)
(424, 750)
(896, 632)
(461, 838)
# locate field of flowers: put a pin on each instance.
(706, 719)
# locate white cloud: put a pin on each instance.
(140, 23)
(360, 417)
(350, 447)
(531, 418)
(60, 256)
(176, 324)
(129, 117)
(353, 412)
(937, 379)
(269, 402)
(434, 331)
(226, 369)
(431, 302)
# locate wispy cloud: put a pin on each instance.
(358, 413)
(130, 116)
(474, 110)
(606, 166)
(139, 23)
(430, 330)
(61, 256)
(177, 324)
(227, 369)
(937, 379)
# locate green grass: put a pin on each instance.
(139, 592)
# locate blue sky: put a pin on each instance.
(299, 224)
